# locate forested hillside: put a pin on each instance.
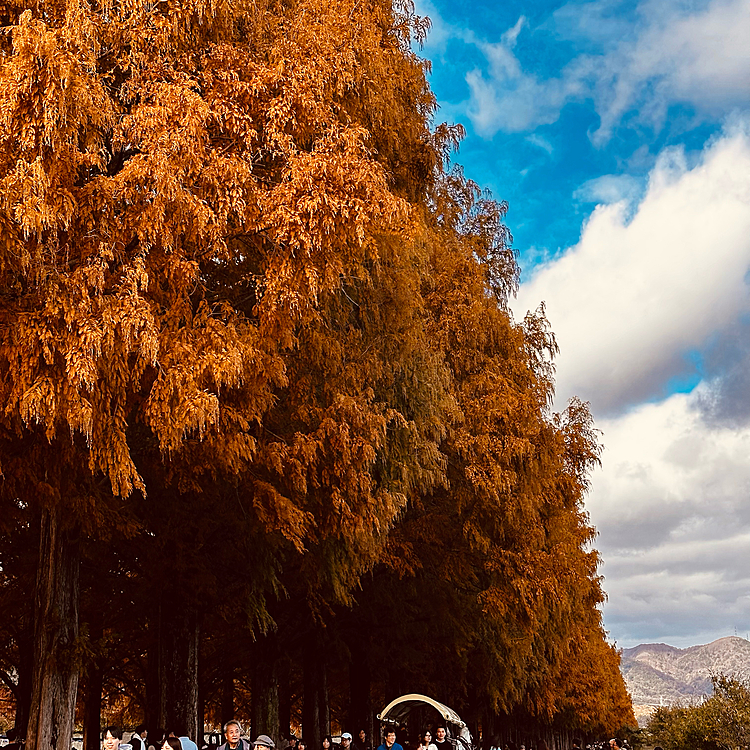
(272, 444)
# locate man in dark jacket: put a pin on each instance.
(361, 742)
(139, 737)
(232, 732)
(441, 739)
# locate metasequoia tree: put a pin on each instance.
(254, 335)
(486, 594)
(19, 540)
(181, 186)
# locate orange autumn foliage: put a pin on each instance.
(235, 262)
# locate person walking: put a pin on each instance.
(233, 739)
(427, 743)
(390, 741)
(441, 741)
(361, 742)
(111, 738)
(139, 738)
(263, 742)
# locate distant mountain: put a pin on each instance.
(657, 674)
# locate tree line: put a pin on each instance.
(721, 721)
(270, 434)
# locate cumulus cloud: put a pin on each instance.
(726, 363)
(656, 289)
(671, 505)
(646, 286)
(669, 52)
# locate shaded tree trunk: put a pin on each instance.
(311, 698)
(55, 673)
(324, 712)
(153, 691)
(92, 708)
(285, 698)
(265, 692)
(22, 692)
(201, 716)
(227, 694)
(92, 689)
(178, 668)
(360, 706)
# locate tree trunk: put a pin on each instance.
(92, 687)
(92, 708)
(55, 674)
(153, 690)
(227, 694)
(285, 698)
(360, 710)
(201, 716)
(178, 669)
(324, 711)
(265, 692)
(22, 692)
(311, 699)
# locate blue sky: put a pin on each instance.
(619, 133)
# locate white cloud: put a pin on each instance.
(636, 294)
(656, 275)
(669, 54)
(509, 99)
(540, 142)
(610, 188)
(671, 505)
(510, 37)
(701, 58)
(644, 286)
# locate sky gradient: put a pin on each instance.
(619, 133)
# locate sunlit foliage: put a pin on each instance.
(246, 297)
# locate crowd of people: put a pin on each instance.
(614, 744)
(143, 739)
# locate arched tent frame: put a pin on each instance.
(398, 709)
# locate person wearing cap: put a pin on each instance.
(346, 741)
(264, 741)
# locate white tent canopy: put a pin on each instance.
(398, 709)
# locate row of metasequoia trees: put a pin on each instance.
(268, 428)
